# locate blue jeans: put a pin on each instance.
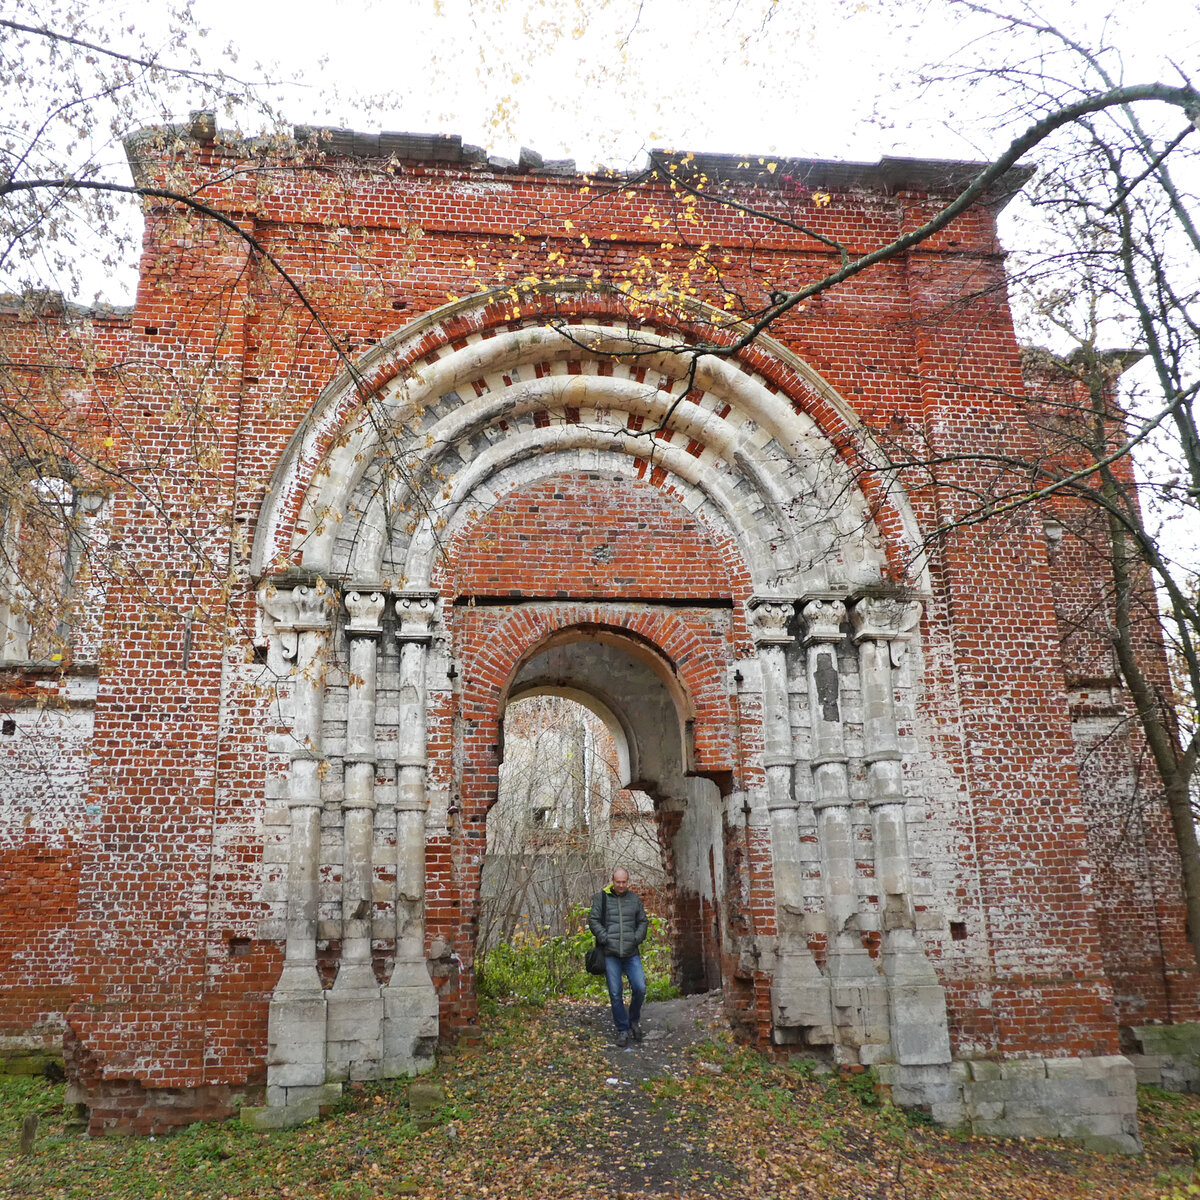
(631, 968)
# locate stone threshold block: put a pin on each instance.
(287, 1108)
(1088, 1100)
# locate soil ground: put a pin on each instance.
(547, 1107)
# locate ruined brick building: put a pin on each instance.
(245, 798)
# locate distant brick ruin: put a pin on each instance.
(243, 816)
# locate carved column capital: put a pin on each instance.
(294, 609)
(365, 609)
(769, 619)
(280, 605)
(312, 606)
(823, 619)
(883, 618)
(415, 612)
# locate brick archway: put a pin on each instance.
(681, 723)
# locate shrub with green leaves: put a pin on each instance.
(535, 967)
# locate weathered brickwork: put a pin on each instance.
(253, 867)
(1128, 826)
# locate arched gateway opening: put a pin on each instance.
(565, 504)
(571, 815)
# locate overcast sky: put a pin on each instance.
(599, 80)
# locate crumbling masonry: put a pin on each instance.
(242, 843)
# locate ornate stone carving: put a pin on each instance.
(294, 609)
(312, 606)
(823, 621)
(416, 611)
(769, 620)
(884, 618)
(280, 605)
(365, 609)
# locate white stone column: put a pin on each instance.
(920, 1035)
(410, 1025)
(799, 993)
(354, 1047)
(296, 1019)
(858, 991)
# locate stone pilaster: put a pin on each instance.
(800, 1006)
(920, 1035)
(296, 1019)
(354, 1046)
(858, 990)
(410, 1024)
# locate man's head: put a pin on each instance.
(620, 880)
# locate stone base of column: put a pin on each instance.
(920, 1034)
(410, 1021)
(1089, 1100)
(860, 1008)
(354, 1031)
(296, 1041)
(800, 1004)
(920, 1030)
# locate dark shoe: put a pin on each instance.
(622, 1038)
(636, 1031)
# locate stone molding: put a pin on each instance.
(769, 619)
(823, 620)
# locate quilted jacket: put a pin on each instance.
(626, 926)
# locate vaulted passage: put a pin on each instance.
(557, 826)
(571, 815)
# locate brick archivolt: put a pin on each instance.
(371, 491)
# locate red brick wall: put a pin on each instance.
(37, 910)
(1141, 911)
(227, 364)
(591, 535)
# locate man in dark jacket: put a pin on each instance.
(618, 922)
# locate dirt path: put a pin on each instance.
(652, 1132)
(646, 1137)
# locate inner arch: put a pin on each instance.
(619, 727)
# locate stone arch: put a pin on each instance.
(775, 644)
(766, 437)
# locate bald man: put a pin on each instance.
(618, 923)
